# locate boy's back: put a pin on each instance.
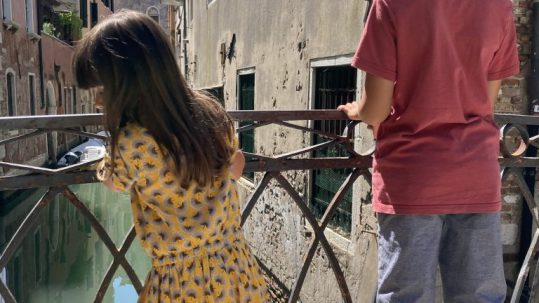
(437, 151)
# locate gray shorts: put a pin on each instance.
(466, 247)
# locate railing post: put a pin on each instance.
(52, 147)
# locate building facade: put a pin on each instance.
(36, 73)
(295, 55)
(287, 55)
(156, 9)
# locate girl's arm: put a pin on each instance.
(104, 175)
(108, 183)
(237, 164)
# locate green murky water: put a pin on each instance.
(63, 259)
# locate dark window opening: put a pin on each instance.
(32, 93)
(84, 12)
(333, 86)
(11, 94)
(218, 93)
(246, 97)
(93, 14)
(74, 97)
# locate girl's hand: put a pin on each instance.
(104, 173)
(237, 163)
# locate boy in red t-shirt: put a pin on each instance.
(434, 69)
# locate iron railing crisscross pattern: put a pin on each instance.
(514, 142)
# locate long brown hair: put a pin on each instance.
(131, 57)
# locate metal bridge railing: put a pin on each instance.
(514, 140)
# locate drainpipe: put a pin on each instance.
(184, 42)
(40, 59)
(533, 80)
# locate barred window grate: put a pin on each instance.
(333, 86)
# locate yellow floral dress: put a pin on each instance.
(193, 234)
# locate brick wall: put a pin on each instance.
(513, 99)
(19, 56)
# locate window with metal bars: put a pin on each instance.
(246, 101)
(334, 86)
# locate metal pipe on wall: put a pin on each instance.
(533, 80)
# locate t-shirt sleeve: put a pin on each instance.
(377, 50)
(505, 62)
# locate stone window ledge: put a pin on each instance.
(33, 36)
(10, 25)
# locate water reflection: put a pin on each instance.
(63, 259)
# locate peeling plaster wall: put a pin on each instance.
(279, 40)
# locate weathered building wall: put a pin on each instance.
(57, 73)
(145, 6)
(19, 58)
(281, 41)
(61, 93)
(102, 12)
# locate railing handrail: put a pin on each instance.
(57, 180)
(52, 122)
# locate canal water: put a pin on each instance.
(63, 259)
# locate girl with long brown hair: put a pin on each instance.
(174, 150)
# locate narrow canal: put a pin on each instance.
(63, 260)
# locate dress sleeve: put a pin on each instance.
(124, 174)
(377, 50)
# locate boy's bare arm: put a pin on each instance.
(375, 104)
(493, 90)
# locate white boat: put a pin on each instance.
(88, 151)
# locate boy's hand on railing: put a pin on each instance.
(351, 110)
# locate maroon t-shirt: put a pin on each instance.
(437, 151)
